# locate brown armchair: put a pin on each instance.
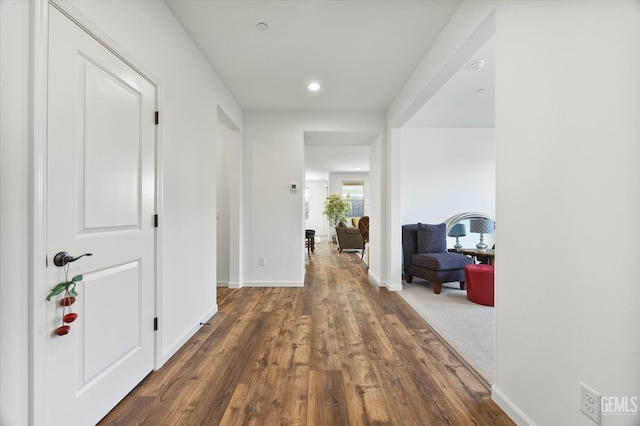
(363, 227)
(349, 238)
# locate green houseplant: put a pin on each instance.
(336, 209)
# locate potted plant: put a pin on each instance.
(335, 209)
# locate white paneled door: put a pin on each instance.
(100, 200)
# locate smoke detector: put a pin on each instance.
(476, 65)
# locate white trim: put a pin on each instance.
(272, 284)
(375, 278)
(233, 284)
(235, 202)
(394, 220)
(394, 287)
(381, 283)
(181, 342)
(38, 223)
(510, 409)
(159, 210)
(79, 19)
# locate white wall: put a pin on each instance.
(568, 158)
(446, 171)
(376, 211)
(14, 212)
(317, 194)
(274, 216)
(223, 160)
(190, 93)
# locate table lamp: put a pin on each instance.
(482, 226)
(458, 230)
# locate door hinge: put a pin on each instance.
(155, 324)
(157, 117)
(155, 220)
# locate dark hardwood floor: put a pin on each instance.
(339, 351)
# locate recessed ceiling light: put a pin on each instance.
(261, 26)
(314, 87)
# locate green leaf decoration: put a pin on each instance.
(70, 286)
(58, 289)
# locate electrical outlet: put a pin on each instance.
(261, 261)
(590, 403)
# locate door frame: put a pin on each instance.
(38, 193)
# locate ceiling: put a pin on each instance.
(467, 99)
(360, 52)
(329, 152)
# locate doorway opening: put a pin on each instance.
(228, 203)
(448, 167)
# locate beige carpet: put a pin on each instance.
(466, 326)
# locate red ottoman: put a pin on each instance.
(479, 280)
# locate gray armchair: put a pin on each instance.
(425, 255)
(349, 238)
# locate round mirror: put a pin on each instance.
(463, 218)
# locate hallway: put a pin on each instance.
(338, 351)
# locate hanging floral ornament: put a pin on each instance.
(70, 294)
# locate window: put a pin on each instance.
(353, 192)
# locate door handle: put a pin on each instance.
(63, 258)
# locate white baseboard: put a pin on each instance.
(394, 287)
(233, 284)
(381, 283)
(180, 343)
(272, 284)
(510, 409)
(222, 284)
(375, 278)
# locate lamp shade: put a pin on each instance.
(458, 230)
(482, 226)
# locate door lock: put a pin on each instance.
(63, 258)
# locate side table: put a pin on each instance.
(489, 255)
